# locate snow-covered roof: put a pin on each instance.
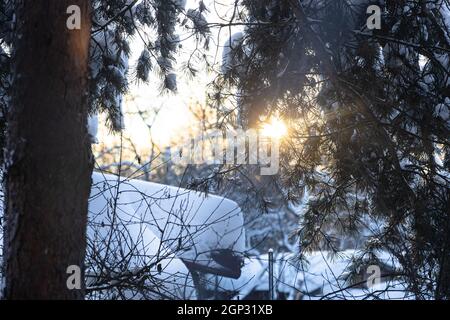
(319, 275)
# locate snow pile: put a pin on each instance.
(92, 126)
(109, 67)
(152, 224)
(443, 110)
(228, 53)
(321, 275)
(250, 278)
(199, 20)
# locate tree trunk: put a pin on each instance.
(49, 160)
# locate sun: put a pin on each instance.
(275, 128)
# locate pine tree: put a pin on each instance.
(368, 110)
(51, 80)
(48, 161)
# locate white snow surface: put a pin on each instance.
(227, 54)
(323, 276)
(93, 128)
(188, 223)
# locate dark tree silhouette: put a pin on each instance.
(49, 163)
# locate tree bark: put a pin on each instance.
(48, 157)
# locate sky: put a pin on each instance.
(174, 117)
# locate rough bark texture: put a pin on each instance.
(48, 158)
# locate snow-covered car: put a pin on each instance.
(150, 239)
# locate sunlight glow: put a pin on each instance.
(275, 128)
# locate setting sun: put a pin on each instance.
(275, 128)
